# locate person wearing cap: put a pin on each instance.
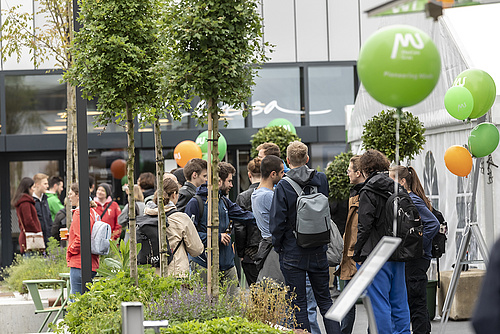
(108, 209)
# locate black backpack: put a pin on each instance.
(147, 235)
(439, 241)
(409, 226)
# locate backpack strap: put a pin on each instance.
(106, 209)
(201, 208)
(298, 189)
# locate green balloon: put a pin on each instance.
(483, 140)
(459, 102)
(399, 65)
(124, 180)
(481, 86)
(202, 142)
(283, 123)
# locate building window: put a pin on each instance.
(331, 88)
(276, 95)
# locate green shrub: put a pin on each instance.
(338, 181)
(233, 325)
(380, 133)
(275, 134)
(36, 266)
(99, 310)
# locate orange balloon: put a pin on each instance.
(185, 151)
(118, 168)
(458, 160)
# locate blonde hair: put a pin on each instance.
(296, 153)
(138, 195)
(39, 177)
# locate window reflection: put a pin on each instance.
(330, 89)
(276, 94)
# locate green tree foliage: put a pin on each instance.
(338, 181)
(114, 54)
(380, 133)
(275, 134)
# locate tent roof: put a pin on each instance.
(462, 37)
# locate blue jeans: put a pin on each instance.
(347, 323)
(389, 299)
(311, 308)
(294, 268)
(75, 279)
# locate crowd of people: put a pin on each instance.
(258, 230)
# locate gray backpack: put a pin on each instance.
(99, 240)
(312, 227)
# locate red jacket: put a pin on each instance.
(73, 257)
(25, 208)
(111, 216)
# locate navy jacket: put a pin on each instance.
(44, 216)
(430, 222)
(226, 213)
(283, 213)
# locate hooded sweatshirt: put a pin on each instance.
(27, 218)
(283, 214)
(227, 210)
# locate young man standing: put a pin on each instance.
(227, 211)
(55, 189)
(41, 204)
(295, 261)
(195, 172)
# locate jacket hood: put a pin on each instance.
(381, 181)
(356, 189)
(202, 190)
(304, 175)
(25, 198)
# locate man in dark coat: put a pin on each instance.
(41, 204)
(195, 172)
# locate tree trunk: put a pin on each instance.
(214, 152)
(162, 226)
(131, 199)
(70, 145)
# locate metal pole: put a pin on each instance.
(83, 177)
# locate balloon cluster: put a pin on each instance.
(202, 142)
(188, 149)
(472, 95)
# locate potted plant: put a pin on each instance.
(274, 134)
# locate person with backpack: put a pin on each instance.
(300, 253)
(197, 209)
(73, 256)
(139, 211)
(195, 172)
(387, 292)
(416, 270)
(182, 236)
(108, 209)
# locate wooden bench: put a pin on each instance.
(32, 286)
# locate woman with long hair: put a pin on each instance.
(26, 212)
(181, 232)
(108, 209)
(73, 257)
(416, 270)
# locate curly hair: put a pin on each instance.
(374, 161)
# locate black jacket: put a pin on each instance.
(59, 222)
(187, 191)
(43, 212)
(246, 236)
(371, 228)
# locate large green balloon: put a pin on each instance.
(483, 140)
(283, 123)
(202, 141)
(481, 86)
(399, 65)
(459, 102)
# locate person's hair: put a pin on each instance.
(23, 188)
(138, 195)
(296, 152)
(413, 182)
(170, 187)
(355, 163)
(74, 187)
(194, 165)
(268, 164)
(179, 174)
(270, 149)
(91, 181)
(39, 177)
(225, 169)
(147, 180)
(54, 180)
(254, 167)
(373, 161)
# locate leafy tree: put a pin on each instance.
(213, 47)
(114, 54)
(338, 181)
(275, 134)
(380, 133)
(45, 43)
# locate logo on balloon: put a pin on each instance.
(405, 42)
(481, 87)
(202, 142)
(483, 139)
